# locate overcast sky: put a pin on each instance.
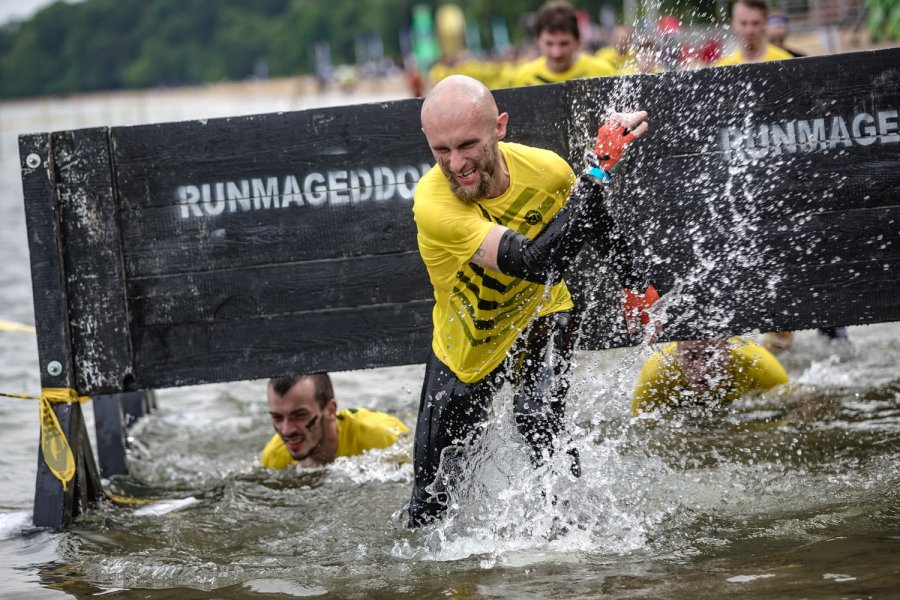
(20, 10)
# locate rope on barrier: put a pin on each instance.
(16, 327)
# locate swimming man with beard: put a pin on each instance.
(498, 224)
(311, 431)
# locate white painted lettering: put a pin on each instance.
(265, 194)
(238, 192)
(885, 126)
(188, 197)
(212, 207)
(385, 184)
(407, 177)
(291, 193)
(338, 190)
(360, 186)
(731, 141)
(870, 131)
(811, 134)
(758, 143)
(784, 138)
(839, 133)
(313, 189)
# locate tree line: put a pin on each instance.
(115, 44)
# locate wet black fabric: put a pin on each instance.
(585, 217)
(450, 410)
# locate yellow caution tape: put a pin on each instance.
(17, 327)
(129, 501)
(23, 396)
(55, 446)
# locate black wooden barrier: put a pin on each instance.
(230, 249)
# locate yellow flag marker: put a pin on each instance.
(55, 446)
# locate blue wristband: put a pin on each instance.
(599, 174)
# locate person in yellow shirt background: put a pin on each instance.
(748, 22)
(777, 29)
(311, 431)
(645, 59)
(559, 41)
(618, 52)
(697, 372)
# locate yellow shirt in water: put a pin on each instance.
(359, 429)
(478, 314)
(536, 72)
(662, 382)
(737, 58)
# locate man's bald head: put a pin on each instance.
(459, 97)
(463, 129)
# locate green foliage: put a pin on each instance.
(111, 44)
(884, 20)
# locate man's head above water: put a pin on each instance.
(304, 414)
(463, 127)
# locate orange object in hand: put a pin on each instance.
(636, 304)
(612, 138)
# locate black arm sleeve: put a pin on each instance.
(545, 258)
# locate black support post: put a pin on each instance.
(114, 414)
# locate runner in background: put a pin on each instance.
(748, 22)
(559, 41)
(618, 52)
(778, 30)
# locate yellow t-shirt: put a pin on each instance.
(613, 57)
(536, 72)
(737, 58)
(478, 314)
(359, 429)
(662, 382)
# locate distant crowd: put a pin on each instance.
(560, 52)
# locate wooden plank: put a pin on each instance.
(46, 255)
(203, 352)
(53, 506)
(159, 241)
(278, 289)
(153, 161)
(114, 414)
(92, 256)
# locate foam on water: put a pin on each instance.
(11, 524)
(163, 507)
(503, 505)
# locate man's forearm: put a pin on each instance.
(546, 257)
